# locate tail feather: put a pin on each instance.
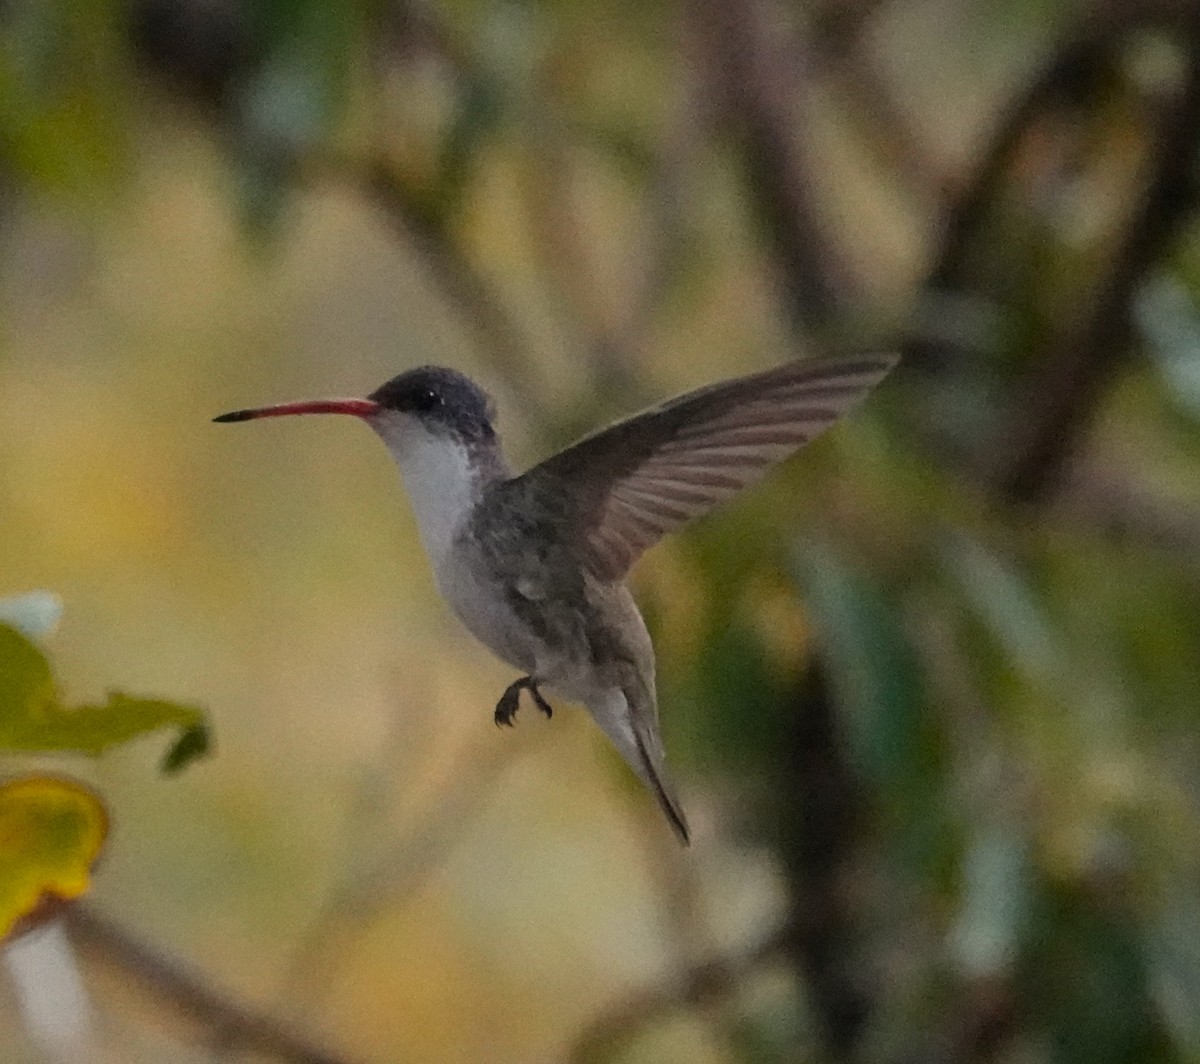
(654, 773)
(634, 732)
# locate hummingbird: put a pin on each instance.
(533, 565)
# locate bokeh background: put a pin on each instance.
(931, 692)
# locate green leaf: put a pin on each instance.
(292, 101)
(878, 682)
(996, 892)
(33, 718)
(478, 114)
(875, 672)
(738, 695)
(1167, 316)
(1005, 603)
(194, 743)
(1084, 979)
(61, 77)
(26, 682)
(1173, 957)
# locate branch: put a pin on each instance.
(1066, 78)
(820, 799)
(464, 286)
(400, 871)
(171, 982)
(821, 805)
(1065, 389)
(840, 47)
(202, 53)
(1108, 498)
(1069, 78)
(757, 88)
(702, 983)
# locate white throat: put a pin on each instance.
(440, 479)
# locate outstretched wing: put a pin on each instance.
(630, 484)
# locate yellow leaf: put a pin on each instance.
(51, 832)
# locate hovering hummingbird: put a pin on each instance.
(533, 565)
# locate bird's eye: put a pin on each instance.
(426, 399)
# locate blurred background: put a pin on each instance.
(931, 692)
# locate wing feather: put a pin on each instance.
(629, 485)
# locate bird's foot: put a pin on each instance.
(510, 701)
(539, 701)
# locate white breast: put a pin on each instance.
(444, 486)
(439, 479)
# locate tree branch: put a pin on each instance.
(1067, 78)
(1065, 388)
(702, 983)
(466, 289)
(399, 872)
(841, 50)
(171, 982)
(821, 808)
(756, 82)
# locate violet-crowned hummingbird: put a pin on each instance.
(533, 565)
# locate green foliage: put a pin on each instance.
(1084, 976)
(33, 717)
(1008, 609)
(63, 119)
(995, 894)
(875, 672)
(878, 681)
(293, 98)
(52, 829)
(739, 691)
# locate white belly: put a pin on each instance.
(484, 612)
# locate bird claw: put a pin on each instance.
(539, 701)
(510, 701)
(507, 707)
